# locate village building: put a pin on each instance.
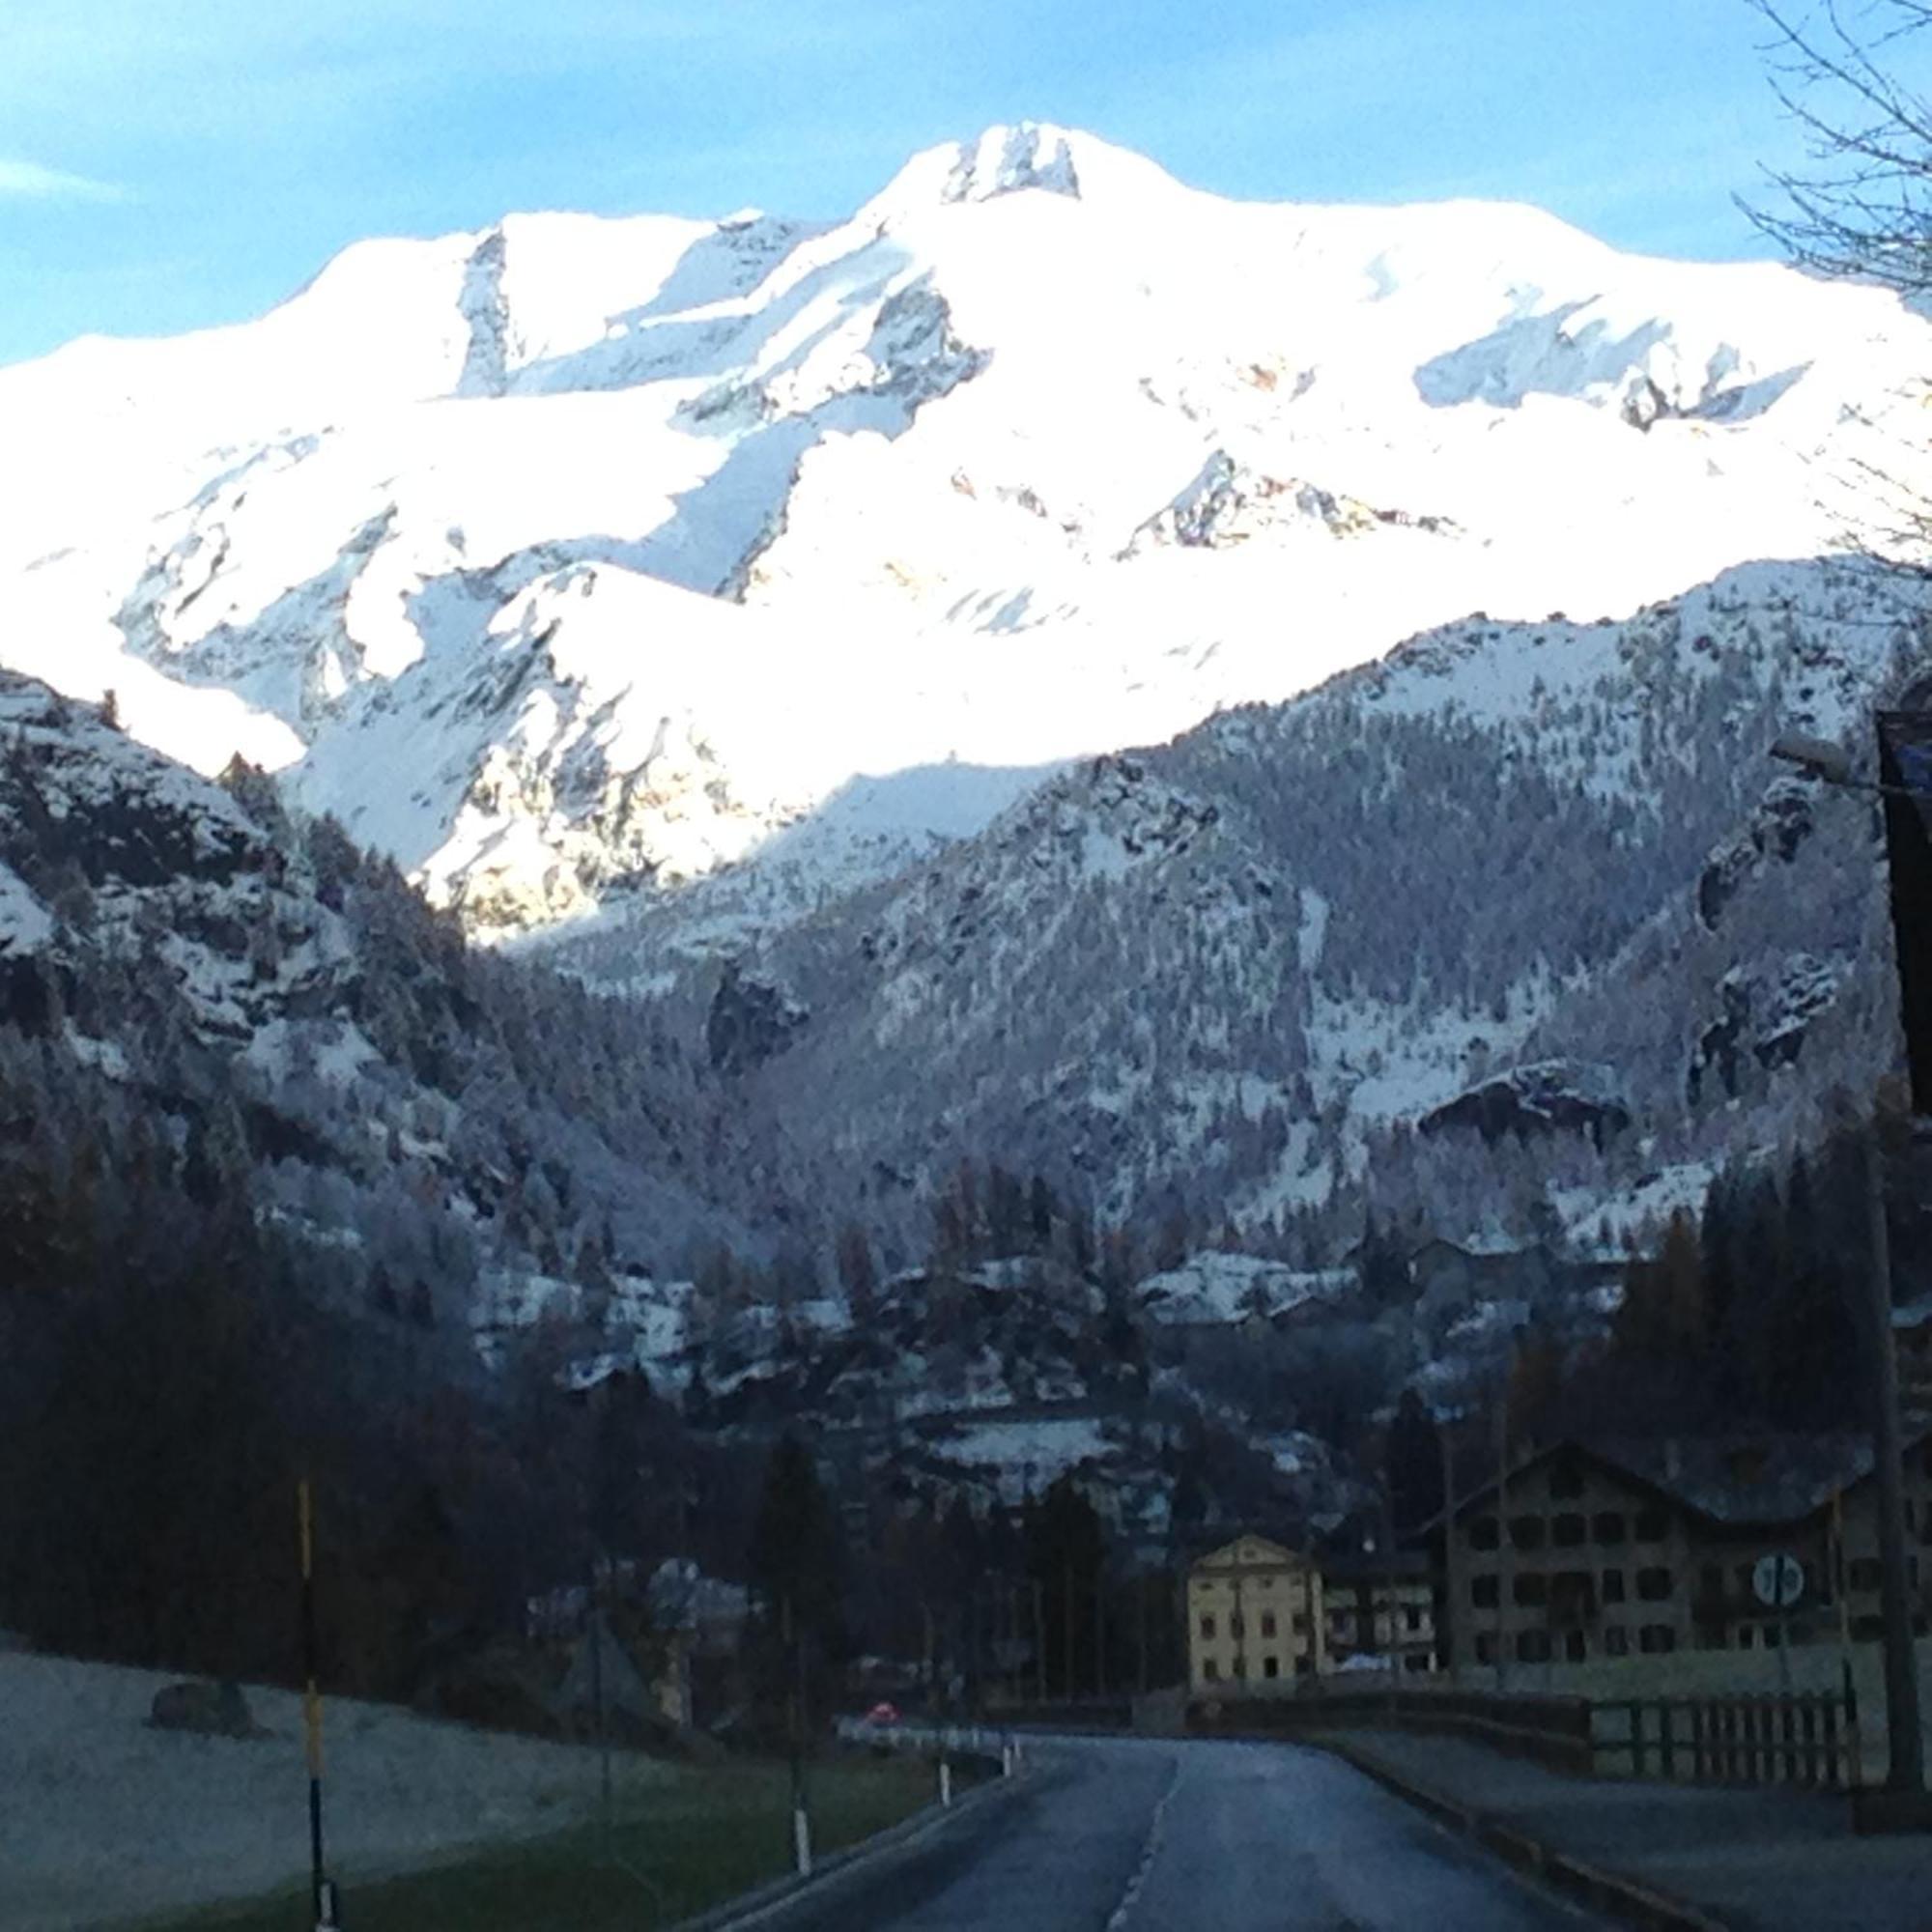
(1254, 1619)
(1642, 1548)
(1381, 1609)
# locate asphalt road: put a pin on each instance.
(1129, 1835)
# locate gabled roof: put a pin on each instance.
(1250, 1551)
(1735, 1480)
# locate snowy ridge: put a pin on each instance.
(1040, 455)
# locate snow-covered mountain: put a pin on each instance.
(579, 558)
(1517, 922)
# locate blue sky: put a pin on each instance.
(170, 163)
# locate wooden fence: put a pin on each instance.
(1809, 1739)
(1552, 1730)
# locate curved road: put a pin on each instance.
(1162, 1835)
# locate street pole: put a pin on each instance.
(1453, 1606)
(322, 1892)
(792, 1637)
(1039, 1641)
(604, 1807)
(1905, 1742)
(1066, 1630)
(1848, 1682)
(1505, 1578)
(1141, 1630)
(1100, 1634)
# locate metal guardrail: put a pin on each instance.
(940, 1741)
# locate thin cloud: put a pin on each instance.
(29, 181)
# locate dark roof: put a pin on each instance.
(1376, 1566)
(1743, 1478)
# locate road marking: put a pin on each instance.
(1124, 1910)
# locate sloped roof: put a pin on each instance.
(1250, 1551)
(1735, 1479)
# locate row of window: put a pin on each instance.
(1541, 1647)
(1568, 1589)
(1294, 1584)
(1344, 1620)
(1572, 1529)
(1237, 1625)
(1210, 1669)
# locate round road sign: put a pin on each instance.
(1777, 1582)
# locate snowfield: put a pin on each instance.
(574, 559)
(109, 1820)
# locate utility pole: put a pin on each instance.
(321, 1890)
(1140, 1630)
(1903, 736)
(1100, 1632)
(1905, 1741)
(1039, 1640)
(1066, 1681)
(1453, 1606)
(1505, 1579)
(793, 1640)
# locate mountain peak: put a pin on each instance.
(1004, 160)
(1012, 157)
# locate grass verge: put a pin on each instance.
(678, 1849)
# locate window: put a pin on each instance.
(1573, 1646)
(1483, 1533)
(1483, 1591)
(1572, 1592)
(1301, 1623)
(1569, 1531)
(1653, 1585)
(1613, 1587)
(1609, 1527)
(1653, 1525)
(1270, 1667)
(1655, 1639)
(1527, 1532)
(1616, 1642)
(1267, 1622)
(1710, 1579)
(1531, 1589)
(1304, 1665)
(1236, 1627)
(1532, 1646)
(1206, 1626)
(1486, 1646)
(1411, 1617)
(1864, 1573)
(1566, 1482)
(1746, 1637)
(1241, 1666)
(1209, 1669)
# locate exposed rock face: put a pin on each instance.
(1534, 1100)
(1004, 160)
(1230, 503)
(1777, 829)
(750, 1022)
